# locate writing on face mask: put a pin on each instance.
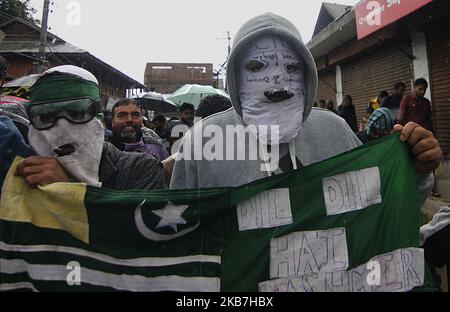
(270, 65)
(272, 88)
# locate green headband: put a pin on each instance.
(54, 88)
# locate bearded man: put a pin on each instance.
(127, 130)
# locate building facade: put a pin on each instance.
(20, 49)
(168, 77)
(413, 46)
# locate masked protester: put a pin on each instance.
(69, 139)
(272, 83)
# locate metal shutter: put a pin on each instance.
(363, 78)
(438, 43)
(326, 88)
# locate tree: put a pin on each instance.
(19, 8)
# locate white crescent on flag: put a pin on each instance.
(170, 216)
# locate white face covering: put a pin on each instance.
(87, 140)
(271, 82)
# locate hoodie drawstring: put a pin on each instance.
(293, 155)
(265, 154)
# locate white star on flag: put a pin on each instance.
(171, 215)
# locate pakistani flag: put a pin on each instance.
(350, 223)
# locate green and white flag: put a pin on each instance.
(350, 223)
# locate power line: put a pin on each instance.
(219, 71)
(27, 56)
(53, 54)
(61, 55)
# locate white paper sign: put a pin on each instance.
(307, 252)
(352, 191)
(399, 271)
(266, 210)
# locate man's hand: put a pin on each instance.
(42, 171)
(424, 146)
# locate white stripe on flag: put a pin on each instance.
(15, 286)
(116, 281)
(137, 262)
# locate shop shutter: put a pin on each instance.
(438, 44)
(326, 88)
(364, 77)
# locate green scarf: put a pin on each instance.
(54, 88)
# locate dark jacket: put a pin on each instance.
(349, 115)
(392, 102)
(364, 137)
(415, 109)
(129, 171)
(145, 145)
(12, 144)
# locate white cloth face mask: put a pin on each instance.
(78, 147)
(271, 80)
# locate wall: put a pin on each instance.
(168, 77)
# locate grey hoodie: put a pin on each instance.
(271, 25)
(323, 135)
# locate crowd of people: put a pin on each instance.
(385, 110)
(60, 133)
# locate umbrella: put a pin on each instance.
(25, 81)
(156, 102)
(15, 106)
(21, 86)
(194, 93)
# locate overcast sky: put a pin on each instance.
(129, 33)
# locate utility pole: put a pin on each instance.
(229, 44)
(228, 58)
(43, 41)
(226, 61)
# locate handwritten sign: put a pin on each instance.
(266, 210)
(352, 191)
(400, 271)
(307, 252)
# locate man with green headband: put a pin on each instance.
(69, 139)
